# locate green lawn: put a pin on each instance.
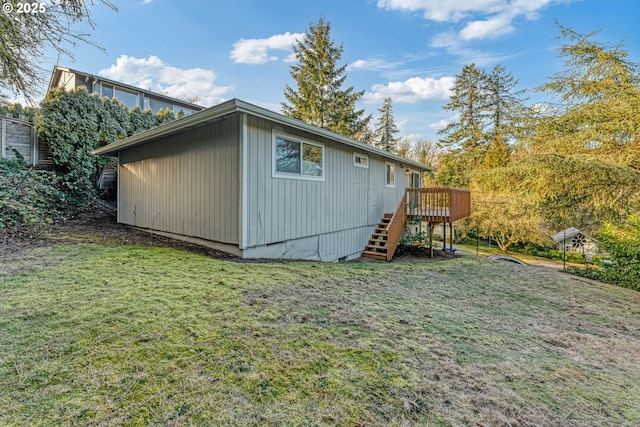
(105, 334)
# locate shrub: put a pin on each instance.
(568, 256)
(29, 199)
(622, 241)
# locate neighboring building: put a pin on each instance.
(574, 240)
(257, 184)
(130, 96)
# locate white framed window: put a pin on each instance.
(390, 174)
(297, 158)
(360, 160)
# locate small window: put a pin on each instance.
(107, 91)
(294, 158)
(360, 160)
(390, 174)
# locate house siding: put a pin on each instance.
(186, 184)
(297, 218)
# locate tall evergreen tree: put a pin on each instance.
(385, 132)
(505, 105)
(320, 98)
(465, 138)
(471, 103)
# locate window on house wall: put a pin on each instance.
(129, 99)
(157, 105)
(295, 158)
(107, 90)
(390, 174)
(360, 160)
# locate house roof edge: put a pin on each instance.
(237, 105)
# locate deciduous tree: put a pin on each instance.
(24, 37)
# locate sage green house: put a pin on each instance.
(257, 184)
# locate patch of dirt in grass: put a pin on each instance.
(408, 253)
(96, 224)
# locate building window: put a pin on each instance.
(107, 91)
(390, 174)
(360, 160)
(294, 158)
(129, 99)
(157, 105)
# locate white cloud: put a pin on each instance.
(445, 10)
(154, 74)
(257, 51)
(440, 124)
(487, 29)
(493, 18)
(370, 65)
(415, 89)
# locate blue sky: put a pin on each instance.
(409, 50)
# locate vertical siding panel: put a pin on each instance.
(186, 183)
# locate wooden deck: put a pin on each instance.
(437, 205)
(434, 205)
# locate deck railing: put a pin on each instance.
(438, 204)
(395, 228)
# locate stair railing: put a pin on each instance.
(396, 226)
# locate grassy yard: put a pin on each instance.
(106, 334)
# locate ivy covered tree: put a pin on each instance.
(386, 130)
(75, 123)
(140, 120)
(164, 116)
(69, 122)
(113, 121)
(320, 98)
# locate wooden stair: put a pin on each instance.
(378, 244)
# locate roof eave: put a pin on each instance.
(236, 105)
